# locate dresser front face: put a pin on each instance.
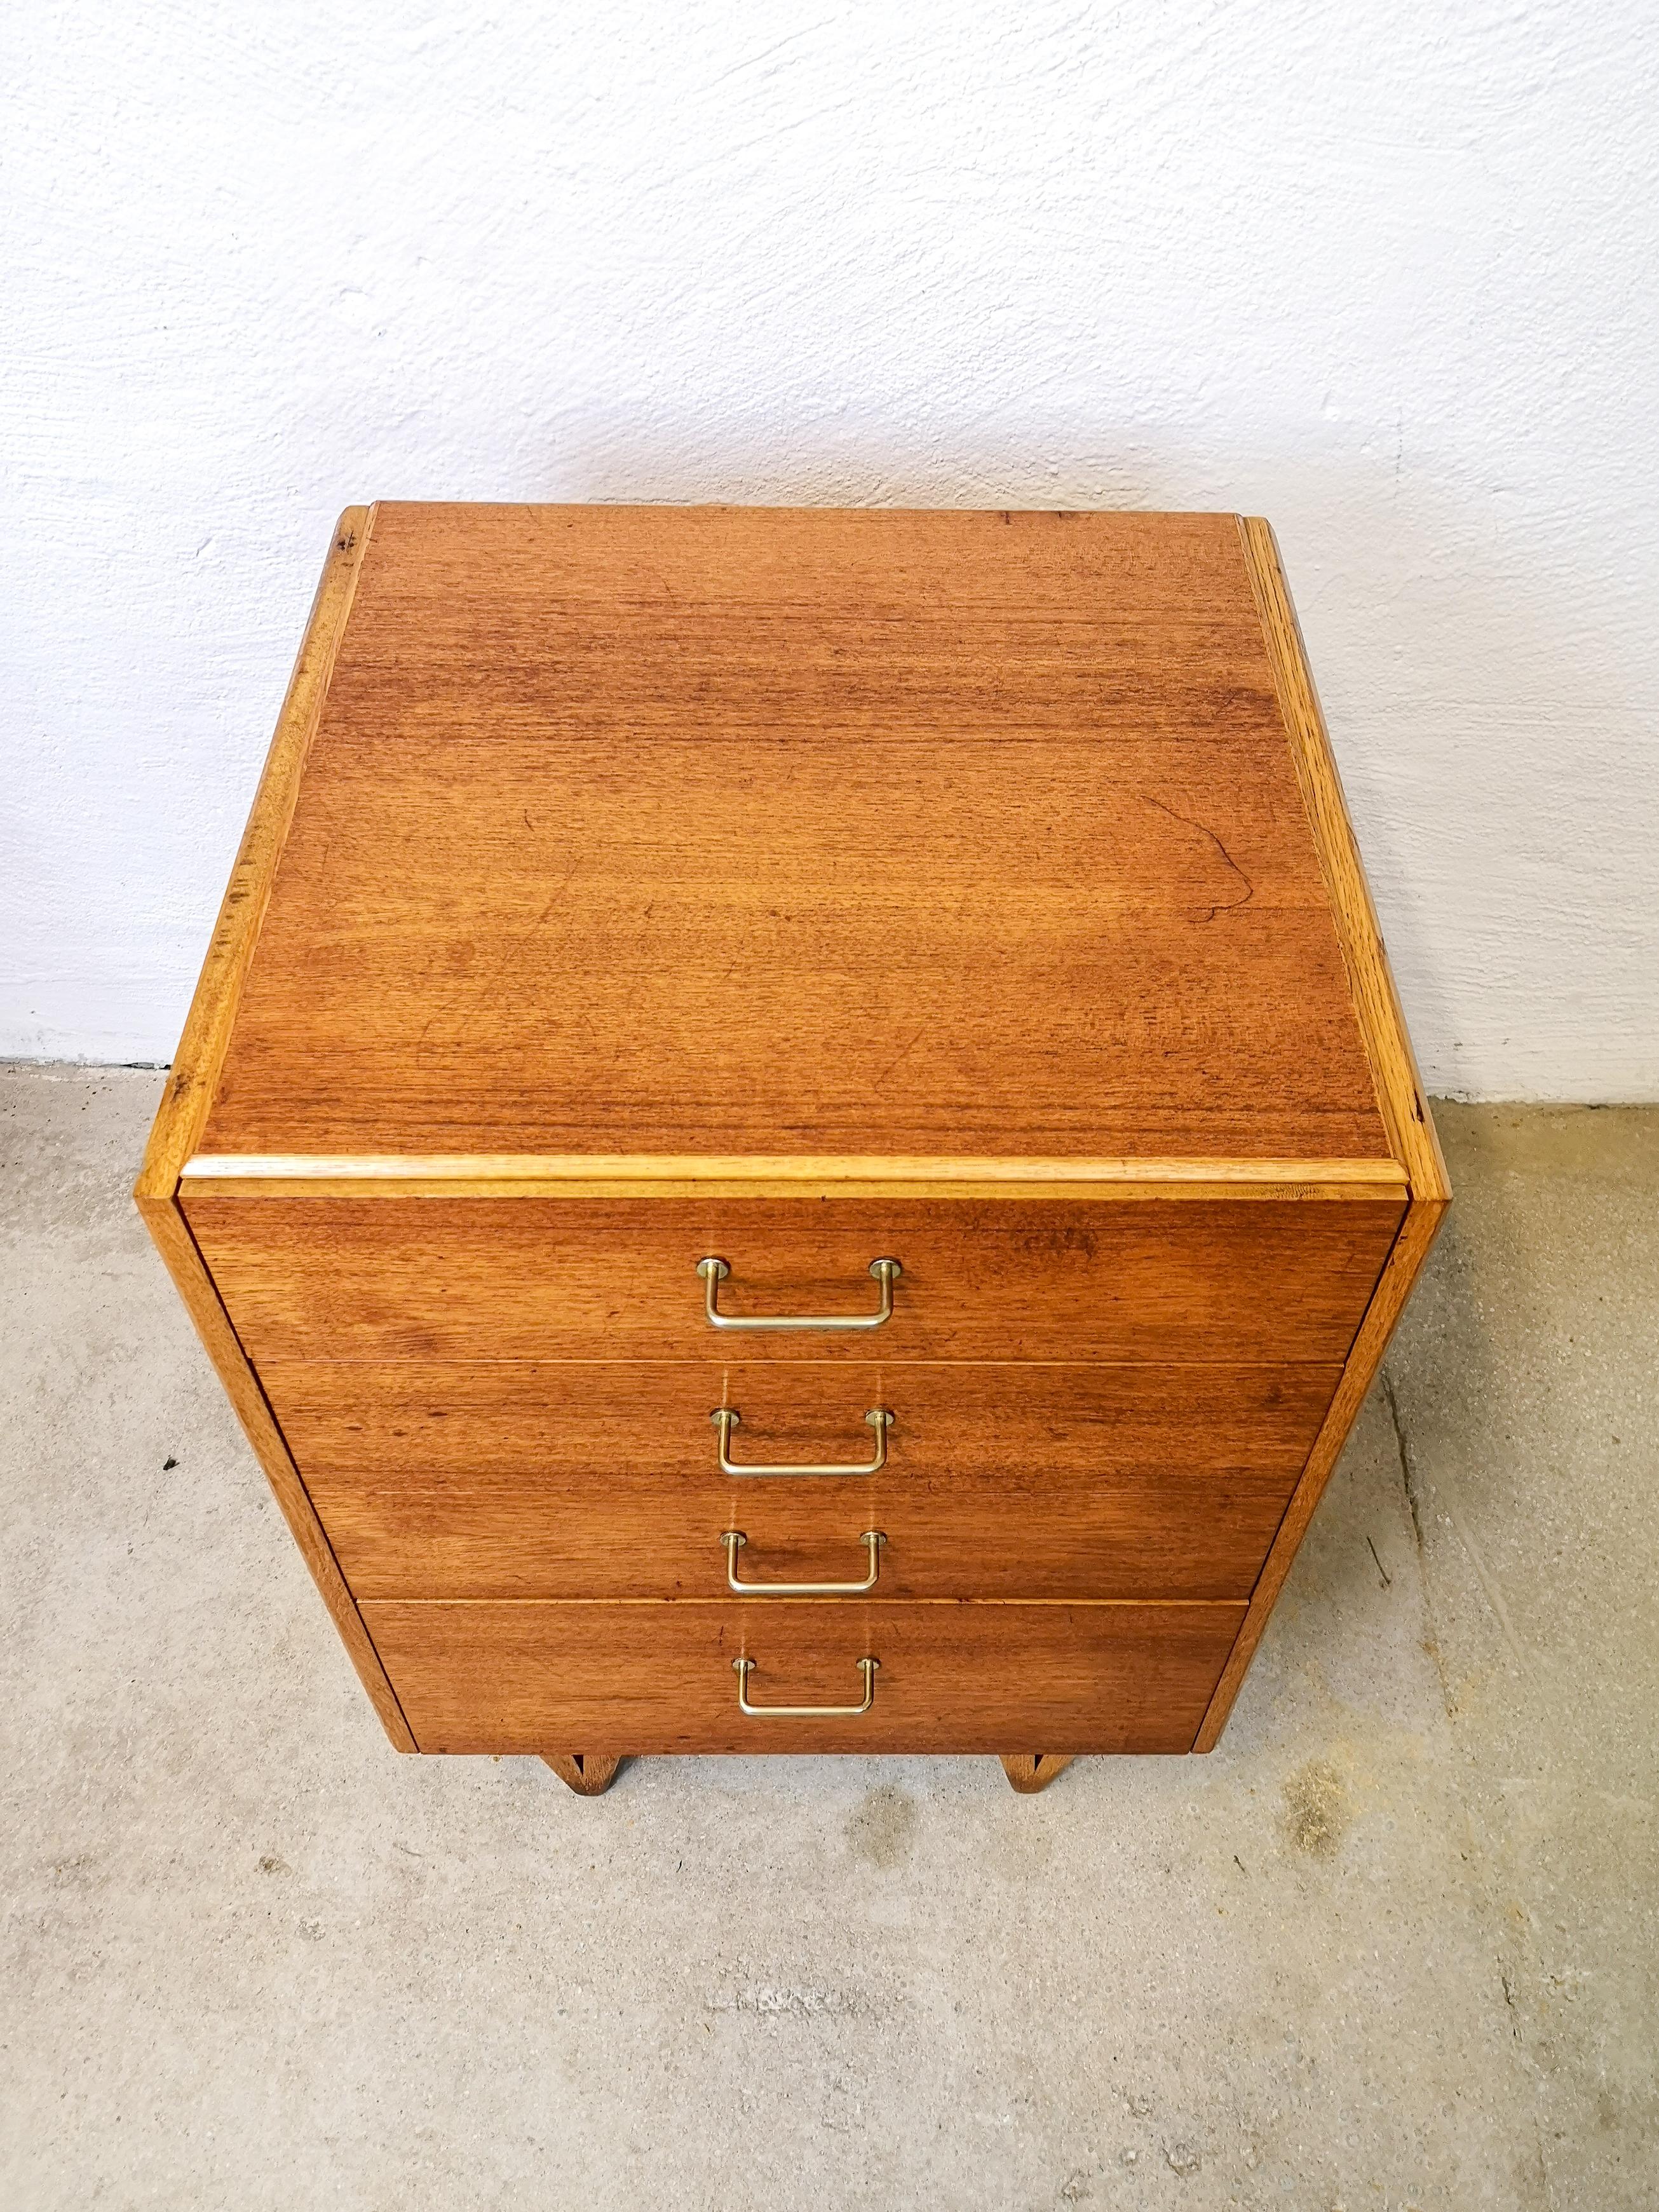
(1062, 1458)
(668, 917)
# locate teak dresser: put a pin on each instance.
(795, 1135)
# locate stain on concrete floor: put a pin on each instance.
(1395, 1944)
(882, 1830)
(1317, 1814)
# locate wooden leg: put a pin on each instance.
(1029, 1771)
(584, 1772)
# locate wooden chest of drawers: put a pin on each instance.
(795, 1135)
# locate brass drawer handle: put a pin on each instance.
(873, 1540)
(745, 1668)
(715, 1272)
(726, 1419)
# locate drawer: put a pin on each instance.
(442, 1279)
(511, 1480)
(480, 1675)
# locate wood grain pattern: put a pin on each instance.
(510, 1481)
(577, 1279)
(1417, 1234)
(1399, 1091)
(200, 1056)
(485, 1676)
(173, 1241)
(743, 831)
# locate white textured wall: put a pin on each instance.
(1381, 271)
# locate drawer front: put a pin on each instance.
(569, 1279)
(549, 1480)
(652, 1677)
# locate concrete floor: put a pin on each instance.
(1395, 1944)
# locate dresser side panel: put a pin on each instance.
(1411, 1249)
(185, 1263)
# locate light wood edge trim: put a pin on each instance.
(167, 1226)
(643, 1176)
(1411, 1248)
(183, 1112)
(1393, 1066)
(1053, 1192)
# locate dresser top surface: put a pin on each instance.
(764, 831)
